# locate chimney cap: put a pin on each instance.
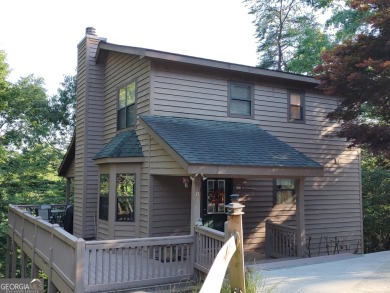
(90, 31)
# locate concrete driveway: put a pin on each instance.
(336, 273)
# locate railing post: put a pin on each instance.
(268, 239)
(236, 267)
(8, 259)
(79, 265)
(300, 202)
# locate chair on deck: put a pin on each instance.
(44, 212)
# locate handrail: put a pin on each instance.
(281, 240)
(214, 279)
(208, 242)
(114, 264)
(51, 248)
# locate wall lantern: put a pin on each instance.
(186, 181)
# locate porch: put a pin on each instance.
(75, 265)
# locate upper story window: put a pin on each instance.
(127, 108)
(284, 191)
(125, 194)
(240, 99)
(296, 107)
(103, 196)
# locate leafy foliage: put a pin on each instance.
(376, 204)
(358, 71)
(34, 132)
(290, 38)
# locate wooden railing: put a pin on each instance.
(281, 240)
(208, 242)
(75, 265)
(116, 264)
(48, 247)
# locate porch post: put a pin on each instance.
(195, 200)
(236, 265)
(300, 211)
(8, 258)
(67, 190)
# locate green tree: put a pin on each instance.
(34, 132)
(346, 22)
(376, 204)
(358, 72)
(288, 33)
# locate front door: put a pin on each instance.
(215, 194)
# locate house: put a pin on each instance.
(162, 140)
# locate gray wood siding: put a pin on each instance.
(333, 202)
(70, 172)
(171, 207)
(257, 196)
(102, 230)
(89, 111)
(161, 162)
(119, 69)
(78, 220)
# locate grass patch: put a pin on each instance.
(255, 282)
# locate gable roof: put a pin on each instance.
(219, 143)
(68, 157)
(104, 47)
(124, 144)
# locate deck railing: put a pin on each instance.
(75, 265)
(208, 242)
(48, 247)
(281, 240)
(116, 264)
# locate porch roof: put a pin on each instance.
(208, 146)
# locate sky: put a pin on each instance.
(40, 37)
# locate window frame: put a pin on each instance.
(128, 107)
(276, 190)
(302, 106)
(107, 196)
(230, 98)
(132, 215)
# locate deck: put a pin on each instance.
(75, 265)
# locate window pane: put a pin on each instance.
(104, 196)
(130, 93)
(125, 210)
(131, 115)
(122, 118)
(240, 107)
(104, 185)
(241, 92)
(296, 112)
(215, 196)
(125, 184)
(122, 98)
(125, 192)
(285, 190)
(285, 196)
(285, 183)
(295, 99)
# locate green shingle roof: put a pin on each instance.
(124, 144)
(209, 142)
